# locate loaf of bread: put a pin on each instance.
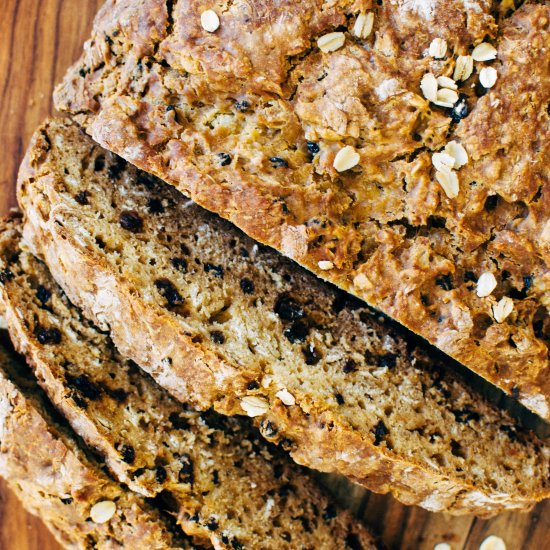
(42, 462)
(224, 484)
(220, 321)
(398, 149)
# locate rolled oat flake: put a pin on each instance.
(103, 511)
(210, 20)
(492, 543)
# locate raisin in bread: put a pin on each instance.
(55, 479)
(221, 480)
(337, 149)
(222, 322)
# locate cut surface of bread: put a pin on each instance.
(220, 321)
(57, 481)
(335, 150)
(221, 480)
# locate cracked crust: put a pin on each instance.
(199, 463)
(56, 481)
(215, 319)
(170, 98)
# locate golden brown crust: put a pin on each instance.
(59, 483)
(393, 236)
(322, 435)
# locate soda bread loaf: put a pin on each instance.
(398, 149)
(224, 484)
(42, 462)
(221, 321)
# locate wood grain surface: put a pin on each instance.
(39, 39)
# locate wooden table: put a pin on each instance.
(38, 41)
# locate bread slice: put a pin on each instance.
(42, 462)
(220, 479)
(250, 129)
(220, 321)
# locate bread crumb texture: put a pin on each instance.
(222, 483)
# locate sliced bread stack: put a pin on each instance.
(214, 476)
(398, 149)
(152, 327)
(43, 463)
(221, 322)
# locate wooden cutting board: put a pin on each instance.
(38, 41)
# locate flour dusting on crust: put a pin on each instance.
(423, 8)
